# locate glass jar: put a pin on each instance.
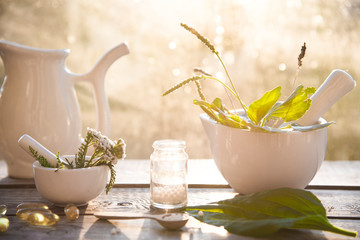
(168, 174)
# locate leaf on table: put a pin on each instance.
(264, 213)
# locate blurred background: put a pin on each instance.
(259, 41)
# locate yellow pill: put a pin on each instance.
(4, 224)
(23, 213)
(71, 212)
(3, 209)
(42, 219)
(31, 205)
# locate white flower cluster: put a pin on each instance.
(112, 151)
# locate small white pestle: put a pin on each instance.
(333, 88)
(25, 141)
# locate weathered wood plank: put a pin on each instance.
(136, 173)
(88, 227)
(338, 203)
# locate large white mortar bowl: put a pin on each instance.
(256, 161)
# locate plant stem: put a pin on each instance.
(212, 48)
(234, 92)
(230, 90)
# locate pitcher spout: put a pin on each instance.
(109, 58)
(96, 76)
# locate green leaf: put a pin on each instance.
(224, 117)
(259, 108)
(40, 158)
(264, 213)
(207, 108)
(218, 103)
(218, 112)
(243, 124)
(112, 179)
(294, 107)
(80, 158)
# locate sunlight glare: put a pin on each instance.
(172, 45)
(220, 231)
(317, 20)
(220, 75)
(282, 67)
(176, 72)
(220, 30)
(71, 39)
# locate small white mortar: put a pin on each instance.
(77, 186)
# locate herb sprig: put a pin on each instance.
(42, 160)
(106, 152)
(264, 114)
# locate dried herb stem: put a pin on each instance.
(201, 71)
(300, 57)
(199, 90)
(183, 83)
(200, 37)
(212, 48)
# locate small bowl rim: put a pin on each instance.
(37, 165)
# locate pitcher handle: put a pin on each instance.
(96, 76)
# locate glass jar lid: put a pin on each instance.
(169, 144)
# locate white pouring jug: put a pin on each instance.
(38, 98)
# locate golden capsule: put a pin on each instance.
(4, 224)
(72, 212)
(42, 219)
(23, 213)
(3, 209)
(31, 205)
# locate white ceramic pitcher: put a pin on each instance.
(38, 98)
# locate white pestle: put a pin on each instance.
(333, 88)
(25, 141)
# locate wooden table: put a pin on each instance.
(337, 185)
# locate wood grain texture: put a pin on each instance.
(343, 204)
(89, 227)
